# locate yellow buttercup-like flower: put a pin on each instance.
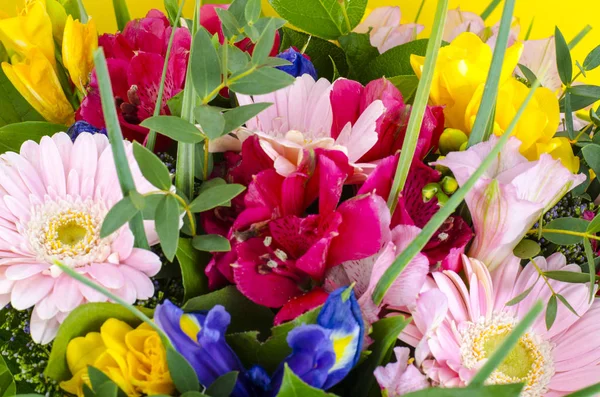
(461, 68)
(79, 43)
(35, 79)
(32, 29)
(135, 359)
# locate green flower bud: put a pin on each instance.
(429, 191)
(442, 198)
(451, 140)
(449, 185)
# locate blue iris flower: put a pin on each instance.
(322, 354)
(300, 64)
(82, 126)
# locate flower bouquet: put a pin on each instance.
(321, 202)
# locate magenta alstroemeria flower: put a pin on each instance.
(509, 197)
(449, 242)
(349, 99)
(135, 61)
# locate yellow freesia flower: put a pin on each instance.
(461, 68)
(79, 43)
(32, 29)
(560, 148)
(58, 16)
(134, 359)
(35, 79)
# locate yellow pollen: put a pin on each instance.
(70, 233)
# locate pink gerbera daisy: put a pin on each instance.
(53, 198)
(458, 325)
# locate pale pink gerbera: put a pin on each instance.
(53, 199)
(458, 325)
(301, 118)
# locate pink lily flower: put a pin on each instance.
(385, 30)
(510, 197)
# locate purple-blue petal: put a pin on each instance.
(300, 64)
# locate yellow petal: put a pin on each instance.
(83, 351)
(31, 30)
(113, 333)
(78, 46)
(75, 384)
(36, 81)
(560, 148)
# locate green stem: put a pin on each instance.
(419, 11)
(420, 103)
(438, 219)
(529, 29)
(568, 232)
(158, 107)
(121, 13)
(579, 36)
(116, 142)
(489, 9)
(342, 4)
(83, 15)
(490, 91)
(506, 346)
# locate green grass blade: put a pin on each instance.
(438, 219)
(116, 142)
(579, 36)
(83, 15)
(184, 176)
(489, 9)
(152, 134)
(490, 91)
(121, 13)
(420, 103)
(589, 391)
(507, 345)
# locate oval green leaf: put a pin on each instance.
(167, 225)
(211, 243)
(175, 128)
(153, 169)
(117, 216)
(567, 225)
(215, 196)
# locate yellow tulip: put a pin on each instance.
(30, 30)
(135, 359)
(35, 78)
(79, 43)
(461, 69)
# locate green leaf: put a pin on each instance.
(231, 26)
(85, 318)
(563, 58)
(589, 253)
(507, 345)
(359, 52)
(264, 44)
(510, 390)
(594, 226)
(237, 59)
(568, 277)
(107, 389)
(245, 314)
(205, 66)
(175, 128)
(321, 52)
(192, 264)
(569, 114)
(407, 84)
(566, 224)
(575, 102)
(293, 386)
(12, 136)
(591, 154)
(121, 13)
(385, 334)
(551, 309)
(529, 75)
(321, 18)
(586, 90)
(183, 375)
(215, 197)
(8, 386)
(261, 81)
(13, 107)
(211, 121)
(252, 10)
(171, 7)
(150, 204)
(199, 160)
(589, 391)
(115, 138)
(211, 243)
(97, 377)
(193, 394)
(527, 249)
(237, 116)
(121, 213)
(394, 62)
(167, 225)
(592, 60)
(153, 169)
(567, 304)
(522, 295)
(223, 386)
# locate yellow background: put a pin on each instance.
(570, 16)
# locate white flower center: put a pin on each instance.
(69, 231)
(530, 361)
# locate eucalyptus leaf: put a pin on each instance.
(211, 243)
(591, 154)
(529, 75)
(231, 26)
(183, 375)
(569, 114)
(223, 386)
(264, 44)
(192, 264)
(238, 116)
(237, 59)
(261, 81)
(567, 304)
(215, 197)
(563, 58)
(167, 225)
(551, 309)
(107, 389)
(592, 60)
(589, 253)
(211, 121)
(205, 66)
(120, 213)
(522, 295)
(252, 11)
(150, 204)
(568, 225)
(153, 169)
(527, 249)
(567, 276)
(594, 226)
(175, 128)
(293, 386)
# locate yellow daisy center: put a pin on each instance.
(70, 233)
